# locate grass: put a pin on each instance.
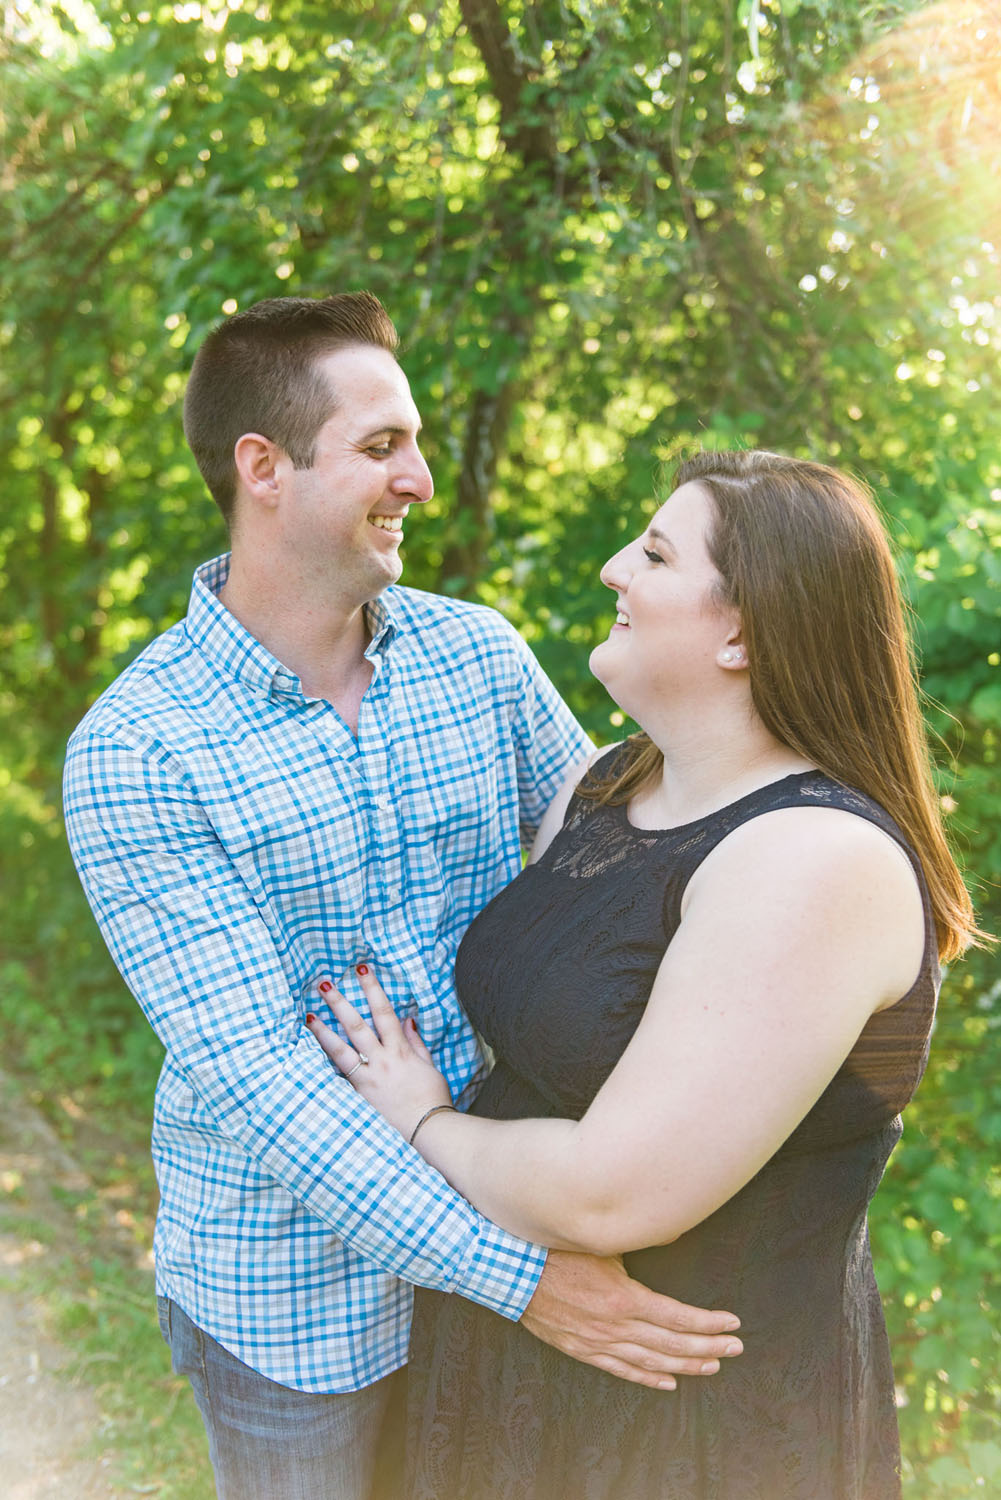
(149, 1418)
(90, 1278)
(103, 1313)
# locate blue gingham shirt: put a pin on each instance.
(237, 843)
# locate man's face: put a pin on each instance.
(342, 522)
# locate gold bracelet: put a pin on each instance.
(435, 1109)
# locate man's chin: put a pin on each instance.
(389, 571)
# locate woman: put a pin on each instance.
(709, 995)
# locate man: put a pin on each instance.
(315, 768)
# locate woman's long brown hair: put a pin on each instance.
(803, 556)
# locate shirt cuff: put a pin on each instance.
(502, 1271)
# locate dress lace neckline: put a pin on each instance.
(794, 778)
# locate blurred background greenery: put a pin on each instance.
(606, 231)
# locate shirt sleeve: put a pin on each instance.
(548, 739)
(196, 949)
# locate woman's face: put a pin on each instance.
(670, 633)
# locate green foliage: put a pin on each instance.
(606, 232)
(936, 1230)
(67, 1019)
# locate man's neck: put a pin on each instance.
(323, 645)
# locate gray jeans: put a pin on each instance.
(268, 1442)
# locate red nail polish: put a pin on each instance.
(362, 969)
(325, 986)
(310, 1018)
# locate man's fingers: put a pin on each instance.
(639, 1364)
(654, 1360)
(639, 1357)
(635, 1373)
(679, 1317)
(685, 1348)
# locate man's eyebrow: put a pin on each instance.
(665, 541)
(393, 429)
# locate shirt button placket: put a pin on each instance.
(387, 877)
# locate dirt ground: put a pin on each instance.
(48, 1423)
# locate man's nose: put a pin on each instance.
(415, 480)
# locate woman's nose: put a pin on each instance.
(615, 573)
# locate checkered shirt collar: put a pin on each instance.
(221, 637)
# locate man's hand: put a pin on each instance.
(592, 1310)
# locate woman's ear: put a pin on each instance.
(732, 655)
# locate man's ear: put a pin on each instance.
(257, 459)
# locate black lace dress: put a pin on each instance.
(555, 973)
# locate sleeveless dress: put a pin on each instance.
(555, 973)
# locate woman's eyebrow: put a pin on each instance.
(665, 541)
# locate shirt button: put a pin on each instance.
(384, 803)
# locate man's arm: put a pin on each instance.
(549, 743)
(201, 960)
(198, 953)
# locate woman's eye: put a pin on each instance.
(653, 557)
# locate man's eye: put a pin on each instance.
(381, 450)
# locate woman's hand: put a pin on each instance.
(388, 1065)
